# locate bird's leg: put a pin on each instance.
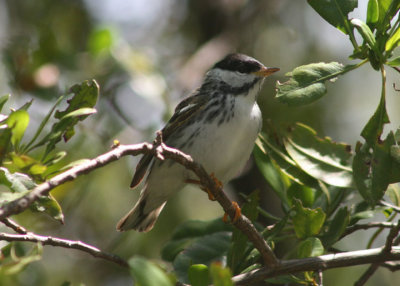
(197, 182)
(238, 213)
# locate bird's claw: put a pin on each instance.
(238, 213)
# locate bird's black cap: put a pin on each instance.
(240, 63)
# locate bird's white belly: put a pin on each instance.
(224, 149)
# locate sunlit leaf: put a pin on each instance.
(321, 158)
(393, 41)
(394, 62)
(100, 40)
(18, 122)
(303, 193)
(221, 276)
(307, 222)
(310, 247)
(199, 275)
(335, 12)
(307, 83)
(147, 273)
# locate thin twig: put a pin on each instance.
(367, 274)
(386, 204)
(365, 226)
(394, 231)
(16, 227)
(48, 240)
(392, 266)
(162, 151)
(329, 261)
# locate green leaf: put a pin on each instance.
(147, 273)
(187, 233)
(80, 112)
(50, 206)
(18, 122)
(100, 40)
(310, 247)
(307, 83)
(5, 141)
(372, 12)
(203, 250)
(237, 251)
(199, 275)
(3, 100)
(22, 184)
(220, 276)
(85, 95)
(307, 222)
(80, 106)
(394, 62)
(393, 41)
(393, 192)
(365, 33)
(335, 12)
(303, 193)
(287, 165)
(373, 172)
(13, 262)
(323, 159)
(270, 171)
(336, 227)
(374, 128)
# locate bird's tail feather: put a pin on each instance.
(138, 220)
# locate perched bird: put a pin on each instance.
(217, 125)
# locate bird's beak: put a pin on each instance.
(264, 72)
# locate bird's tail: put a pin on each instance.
(138, 220)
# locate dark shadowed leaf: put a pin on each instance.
(307, 222)
(321, 158)
(237, 251)
(147, 273)
(287, 164)
(307, 83)
(336, 227)
(335, 12)
(204, 250)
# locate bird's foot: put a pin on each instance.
(238, 213)
(218, 183)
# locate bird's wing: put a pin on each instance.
(185, 110)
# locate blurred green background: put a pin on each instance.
(147, 55)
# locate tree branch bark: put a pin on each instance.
(359, 257)
(73, 244)
(161, 152)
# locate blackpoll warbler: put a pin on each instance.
(217, 125)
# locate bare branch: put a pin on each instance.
(329, 261)
(16, 227)
(160, 151)
(369, 225)
(386, 204)
(367, 274)
(394, 231)
(392, 266)
(48, 240)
